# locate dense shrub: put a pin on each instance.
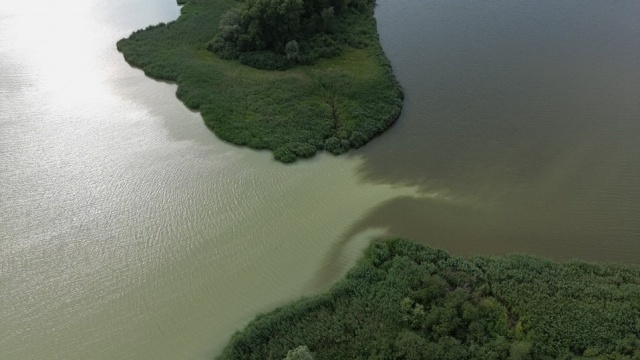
(303, 150)
(354, 91)
(357, 139)
(285, 155)
(406, 301)
(265, 60)
(333, 145)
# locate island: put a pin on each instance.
(290, 76)
(407, 301)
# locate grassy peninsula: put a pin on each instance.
(291, 76)
(407, 301)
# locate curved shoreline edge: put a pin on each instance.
(407, 301)
(337, 104)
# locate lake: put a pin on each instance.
(129, 231)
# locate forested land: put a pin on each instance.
(279, 34)
(291, 76)
(407, 301)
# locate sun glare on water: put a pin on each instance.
(57, 46)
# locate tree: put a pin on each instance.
(230, 27)
(292, 50)
(272, 23)
(328, 17)
(297, 31)
(300, 353)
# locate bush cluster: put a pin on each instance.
(406, 301)
(280, 33)
(265, 60)
(336, 104)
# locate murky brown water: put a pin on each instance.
(524, 117)
(128, 231)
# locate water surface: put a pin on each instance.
(129, 231)
(526, 115)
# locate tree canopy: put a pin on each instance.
(267, 29)
(406, 301)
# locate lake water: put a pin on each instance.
(128, 231)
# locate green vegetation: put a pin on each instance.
(277, 35)
(406, 301)
(348, 96)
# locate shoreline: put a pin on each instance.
(335, 105)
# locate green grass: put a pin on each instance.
(336, 104)
(407, 301)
